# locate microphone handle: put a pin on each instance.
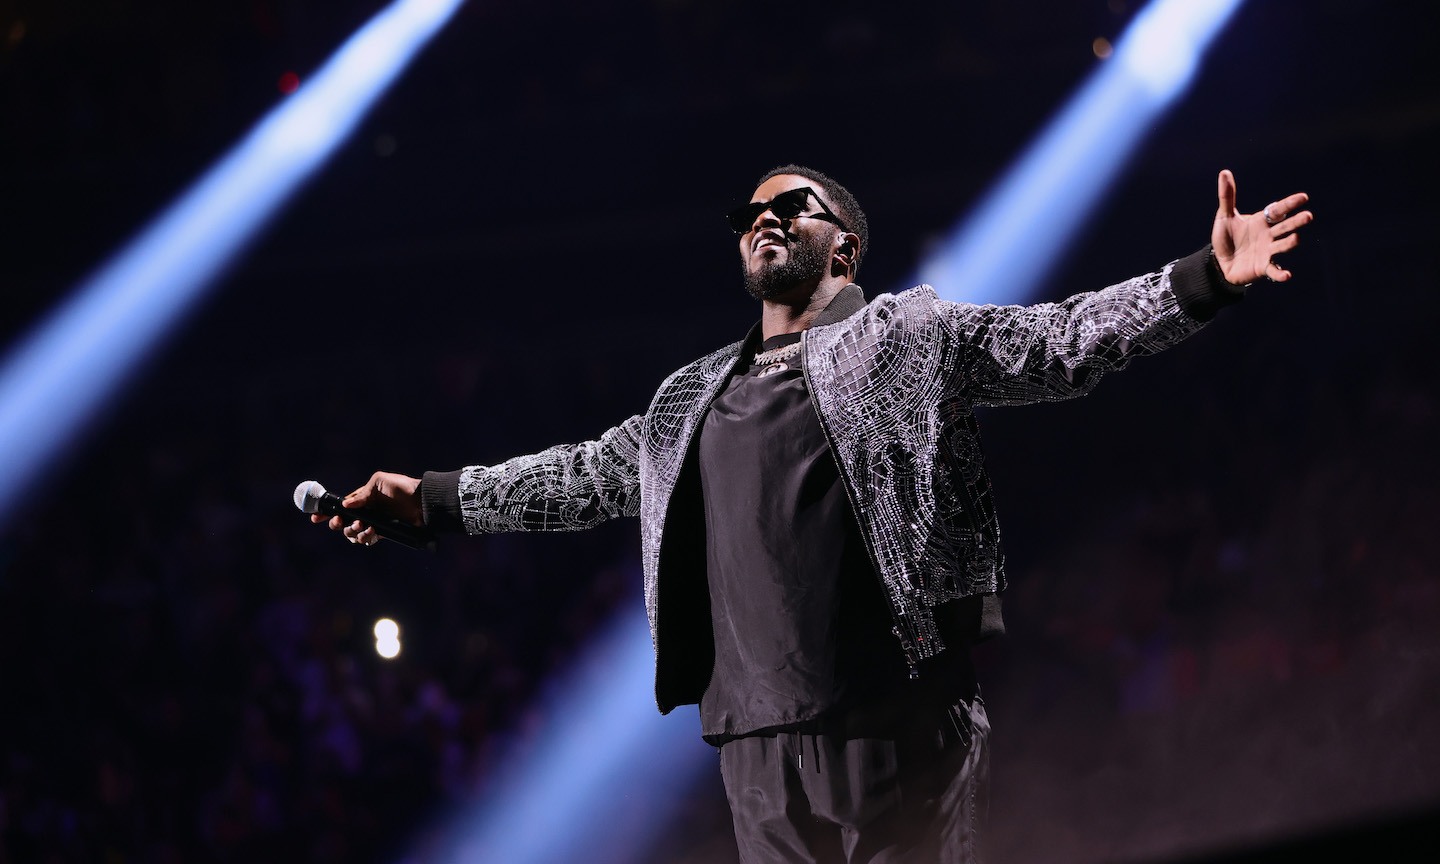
(405, 534)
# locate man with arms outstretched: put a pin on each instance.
(819, 540)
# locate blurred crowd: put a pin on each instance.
(199, 681)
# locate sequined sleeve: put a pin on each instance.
(1015, 355)
(565, 488)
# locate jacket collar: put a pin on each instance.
(846, 302)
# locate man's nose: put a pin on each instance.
(765, 219)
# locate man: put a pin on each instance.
(818, 536)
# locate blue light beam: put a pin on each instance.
(56, 379)
(601, 776)
(1008, 245)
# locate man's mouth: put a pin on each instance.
(768, 238)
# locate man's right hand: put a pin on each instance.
(394, 494)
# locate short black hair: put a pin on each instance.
(845, 204)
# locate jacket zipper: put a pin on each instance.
(669, 498)
(906, 648)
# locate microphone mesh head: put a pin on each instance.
(308, 495)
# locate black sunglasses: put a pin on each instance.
(785, 206)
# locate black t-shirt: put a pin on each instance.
(800, 621)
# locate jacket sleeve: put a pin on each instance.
(1014, 355)
(565, 488)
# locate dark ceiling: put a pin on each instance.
(568, 130)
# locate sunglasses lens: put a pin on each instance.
(788, 205)
(742, 218)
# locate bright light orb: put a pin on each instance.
(387, 638)
(386, 629)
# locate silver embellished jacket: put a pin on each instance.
(895, 382)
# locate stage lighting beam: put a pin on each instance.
(55, 380)
(1006, 247)
(598, 777)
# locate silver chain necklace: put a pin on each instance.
(775, 355)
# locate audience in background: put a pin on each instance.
(201, 683)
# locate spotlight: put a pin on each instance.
(1008, 244)
(56, 378)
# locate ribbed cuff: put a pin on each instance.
(1201, 287)
(440, 501)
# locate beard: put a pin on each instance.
(806, 262)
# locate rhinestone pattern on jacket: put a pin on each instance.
(895, 386)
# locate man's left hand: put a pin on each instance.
(1246, 245)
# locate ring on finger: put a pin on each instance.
(1269, 217)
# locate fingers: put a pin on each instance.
(384, 493)
(354, 530)
(1282, 234)
(1283, 220)
(1291, 203)
(1286, 226)
(1225, 191)
(1284, 211)
(1284, 244)
(360, 497)
(1275, 273)
(357, 532)
(1282, 241)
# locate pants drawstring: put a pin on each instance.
(799, 739)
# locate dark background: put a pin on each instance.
(1224, 605)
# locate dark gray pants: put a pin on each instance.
(917, 796)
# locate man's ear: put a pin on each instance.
(847, 252)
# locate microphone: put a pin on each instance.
(311, 497)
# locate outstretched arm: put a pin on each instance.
(1246, 245)
(1024, 354)
(564, 488)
